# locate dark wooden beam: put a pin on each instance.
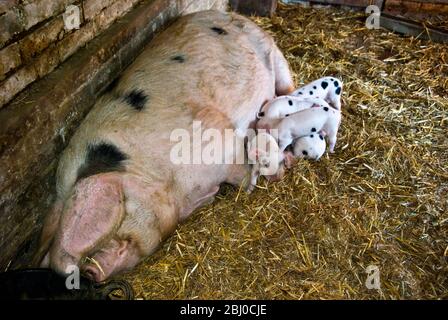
(420, 6)
(409, 27)
(350, 3)
(254, 7)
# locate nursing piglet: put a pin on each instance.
(282, 107)
(264, 153)
(310, 147)
(309, 121)
(327, 88)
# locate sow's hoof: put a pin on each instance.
(45, 284)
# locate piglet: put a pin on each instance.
(282, 107)
(307, 122)
(264, 153)
(310, 147)
(327, 88)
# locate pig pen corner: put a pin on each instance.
(380, 201)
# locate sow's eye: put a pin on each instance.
(260, 114)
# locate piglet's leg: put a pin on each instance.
(91, 216)
(253, 178)
(332, 141)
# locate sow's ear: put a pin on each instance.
(93, 213)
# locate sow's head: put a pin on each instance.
(109, 221)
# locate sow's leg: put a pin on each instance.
(283, 80)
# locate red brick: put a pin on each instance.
(40, 10)
(5, 5)
(9, 59)
(11, 23)
(93, 7)
(47, 61)
(110, 14)
(73, 41)
(16, 83)
(41, 38)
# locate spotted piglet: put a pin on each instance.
(281, 107)
(327, 88)
(310, 121)
(263, 152)
(310, 147)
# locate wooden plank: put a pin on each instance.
(408, 27)
(351, 3)
(254, 7)
(393, 6)
(430, 1)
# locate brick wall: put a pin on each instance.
(34, 40)
(49, 79)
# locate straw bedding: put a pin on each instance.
(381, 199)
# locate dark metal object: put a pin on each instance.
(45, 284)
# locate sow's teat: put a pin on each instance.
(45, 284)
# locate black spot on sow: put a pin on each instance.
(326, 109)
(179, 58)
(218, 30)
(304, 152)
(324, 84)
(313, 130)
(136, 99)
(100, 158)
(290, 102)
